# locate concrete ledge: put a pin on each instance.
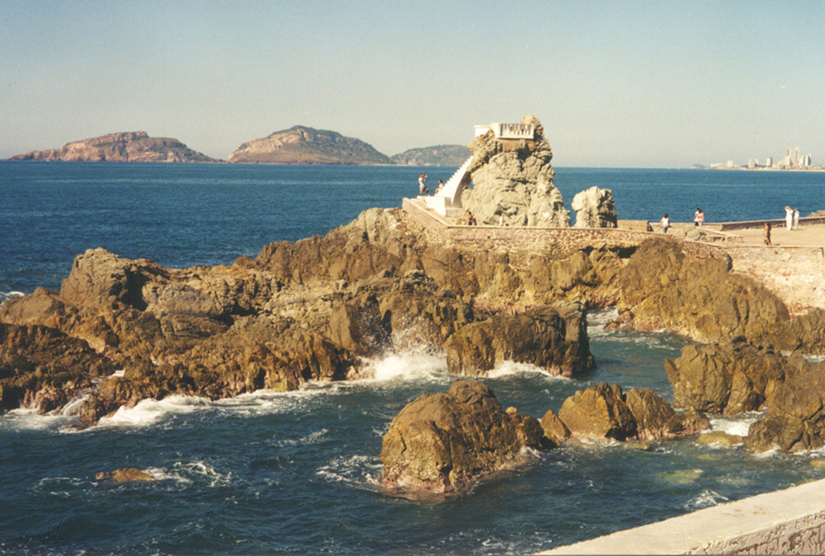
(790, 521)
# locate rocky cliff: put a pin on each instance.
(134, 146)
(305, 145)
(439, 155)
(514, 179)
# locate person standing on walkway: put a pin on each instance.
(768, 233)
(422, 185)
(698, 217)
(665, 223)
(795, 219)
(789, 218)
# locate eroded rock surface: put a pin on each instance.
(514, 178)
(445, 443)
(595, 208)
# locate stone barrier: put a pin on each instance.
(790, 521)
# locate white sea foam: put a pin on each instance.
(362, 472)
(312, 438)
(8, 295)
(736, 424)
(511, 369)
(191, 472)
(406, 366)
(706, 499)
(150, 411)
(596, 320)
(31, 420)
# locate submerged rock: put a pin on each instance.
(443, 444)
(126, 475)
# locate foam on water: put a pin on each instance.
(737, 425)
(507, 369)
(705, 499)
(150, 411)
(407, 366)
(195, 472)
(8, 295)
(358, 471)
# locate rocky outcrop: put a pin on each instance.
(514, 178)
(134, 146)
(126, 475)
(552, 338)
(795, 420)
(43, 369)
(729, 377)
(594, 208)
(444, 444)
(305, 145)
(603, 411)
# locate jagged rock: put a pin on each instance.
(594, 208)
(728, 378)
(554, 428)
(603, 411)
(599, 412)
(699, 298)
(553, 338)
(443, 444)
(42, 368)
(134, 146)
(794, 421)
(514, 178)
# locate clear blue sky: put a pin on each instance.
(624, 84)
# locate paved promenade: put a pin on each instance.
(812, 235)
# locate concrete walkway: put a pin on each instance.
(790, 521)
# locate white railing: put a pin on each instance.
(515, 131)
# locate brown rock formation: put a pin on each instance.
(554, 339)
(729, 378)
(135, 146)
(514, 178)
(443, 444)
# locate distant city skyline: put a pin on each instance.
(793, 160)
(615, 84)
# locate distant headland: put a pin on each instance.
(296, 145)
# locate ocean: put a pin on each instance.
(297, 473)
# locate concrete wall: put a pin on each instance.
(790, 521)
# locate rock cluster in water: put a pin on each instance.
(313, 309)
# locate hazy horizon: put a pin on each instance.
(615, 84)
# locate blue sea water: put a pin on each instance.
(297, 473)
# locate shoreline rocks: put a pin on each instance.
(444, 444)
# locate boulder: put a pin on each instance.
(729, 377)
(599, 412)
(553, 338)
(445, 443)
(554, 428)
(514, 179)
(795, 420)
(656, 419)
(595, 208)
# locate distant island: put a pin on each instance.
(305, 145)
(439, 155)
(130, 146)
(296, 145)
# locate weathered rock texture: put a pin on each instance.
(554, 339)
(305, 145)
(445, 443)
(594, 208)
(135, 146)
(514, 178)
(728, 378)
(603, 411)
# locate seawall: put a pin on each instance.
(790, 521)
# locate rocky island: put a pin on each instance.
(305, 145)
(120, 330)
(132, 146)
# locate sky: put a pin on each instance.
(659, 84)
